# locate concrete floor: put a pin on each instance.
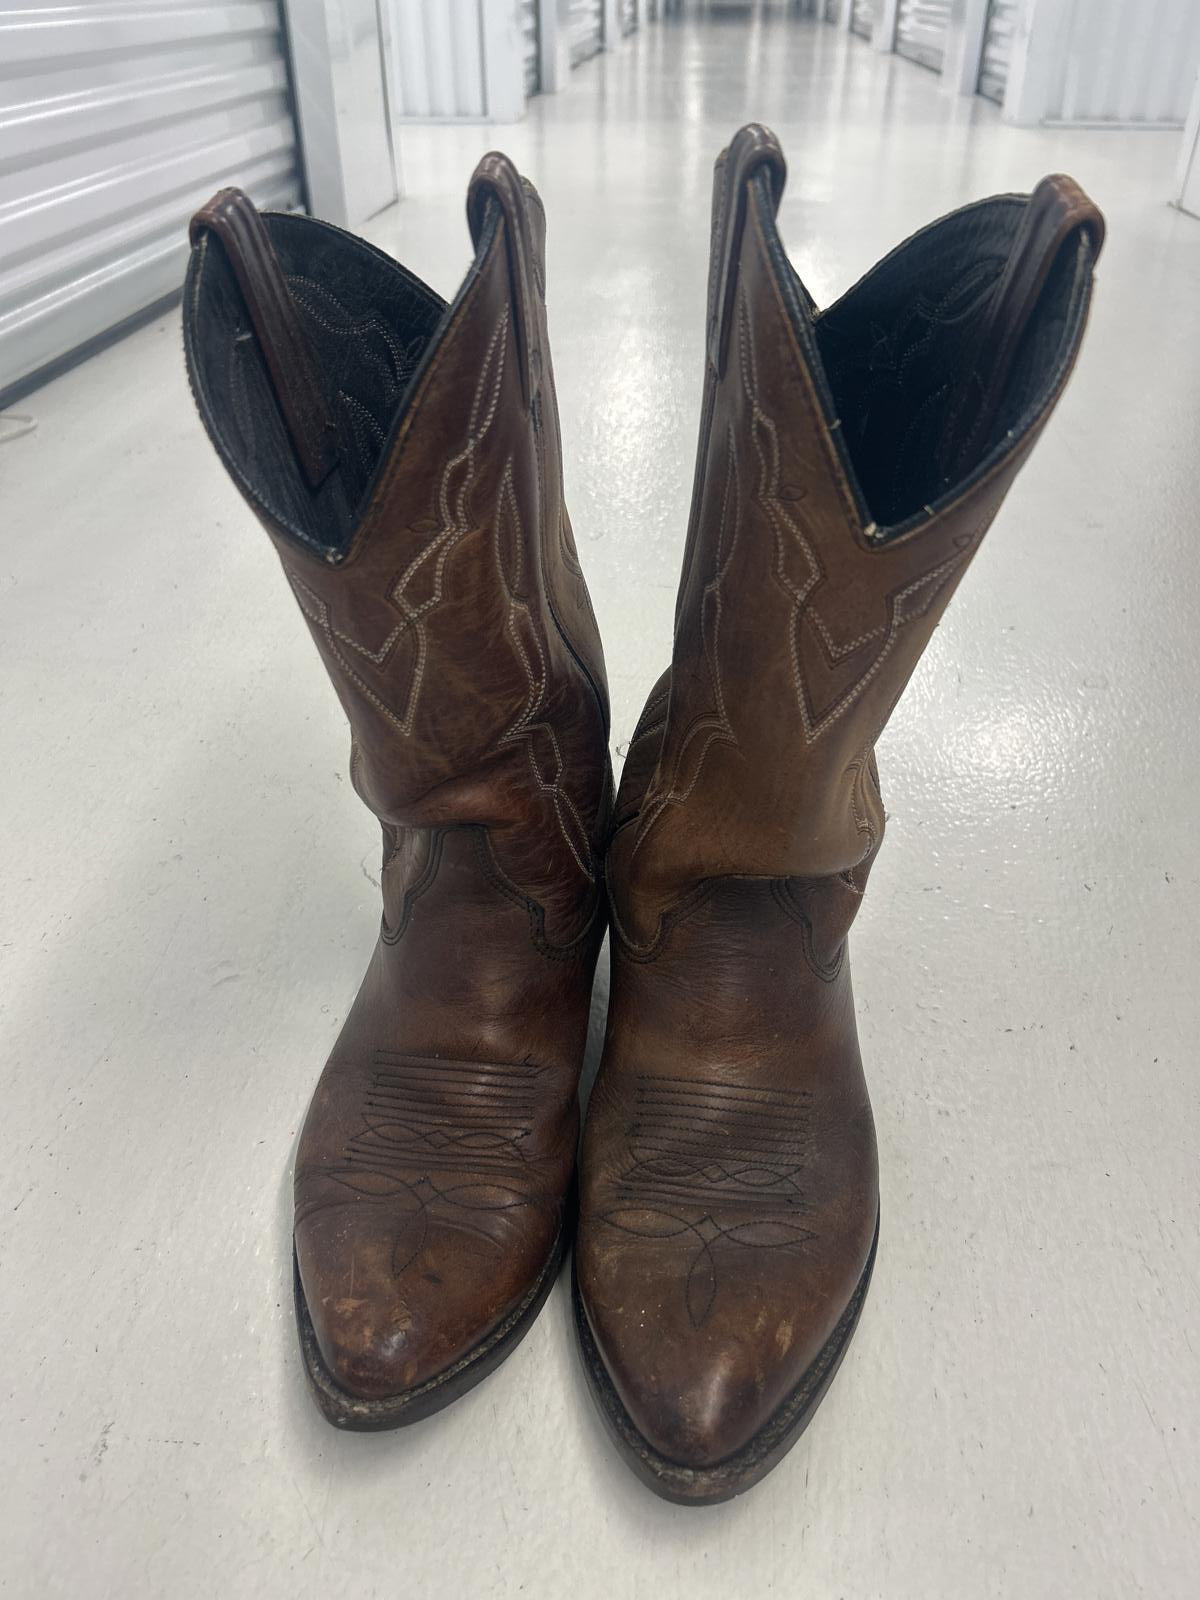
(189, 909)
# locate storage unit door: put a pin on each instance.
(529, 46)
(439, 60)
(116, 122)
(585, 29)
(628, 13)
(997, 49)
(862, 17)
(921, 27)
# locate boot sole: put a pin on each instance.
(701, 1486)
(355, 1414)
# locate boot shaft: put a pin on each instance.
(850, 462)
(404, 457)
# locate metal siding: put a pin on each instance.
(921, 27)
(627, 12)
(862, 17)
(585, 29)
(439, 57)
(1128, 61)
(116, 122)
(530, 46)
(832, 10)
(363, 113)
(997, 49)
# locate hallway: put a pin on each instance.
(192, 901)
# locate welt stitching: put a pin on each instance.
(525, 727)
(801, 594)
(813, 418)
(548, 591)
(781, 893)
(355, 325)
(535, 913)
(424, 882)
(358, 411)
(391, 473)
(454, 528)
(644, 733)
(716, 723)
(667, 921)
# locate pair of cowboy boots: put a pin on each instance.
(404, 457)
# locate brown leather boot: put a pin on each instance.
(404, 458)
(850, 462)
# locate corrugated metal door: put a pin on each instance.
(116, 121)
(1126, 62)
(997, 49)
(530, 41)
(585, 29)
(921, 27)
(862, 17)
(832, 10)
(439, 60)
(364, 136)
(628, 14)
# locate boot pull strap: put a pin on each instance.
(1056, 209)
(751, 148)
(231, 216)
(496, 179)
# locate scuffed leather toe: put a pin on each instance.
(687, 1402)
(388, 1317)
(703, 1351)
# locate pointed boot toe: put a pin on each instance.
(714, 1297)
(430, 1221)
(702, 1414)
(690, 1401)
(378, 1336)
(400, 1314)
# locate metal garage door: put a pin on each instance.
(585, 29)
(921, 31)
(997, 48)
(862, 17)
(529, 46)
(832, 10)
(628, 13)
(116, 121)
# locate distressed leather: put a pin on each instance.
(436, 570)
(729, 1175)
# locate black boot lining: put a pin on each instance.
(891, 356)
(370, 324)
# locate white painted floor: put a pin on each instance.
(188, 911)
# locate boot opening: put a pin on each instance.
(367, 324)
(900, 356)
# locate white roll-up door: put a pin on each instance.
(921, 27)
(628, 13)
(530, 56)
(862, 17)
(585, 29)
(117, 120)
(439, 61)
(997, 48)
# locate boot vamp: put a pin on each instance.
(729, 1194)
(428, 1203)
(436, 1155)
